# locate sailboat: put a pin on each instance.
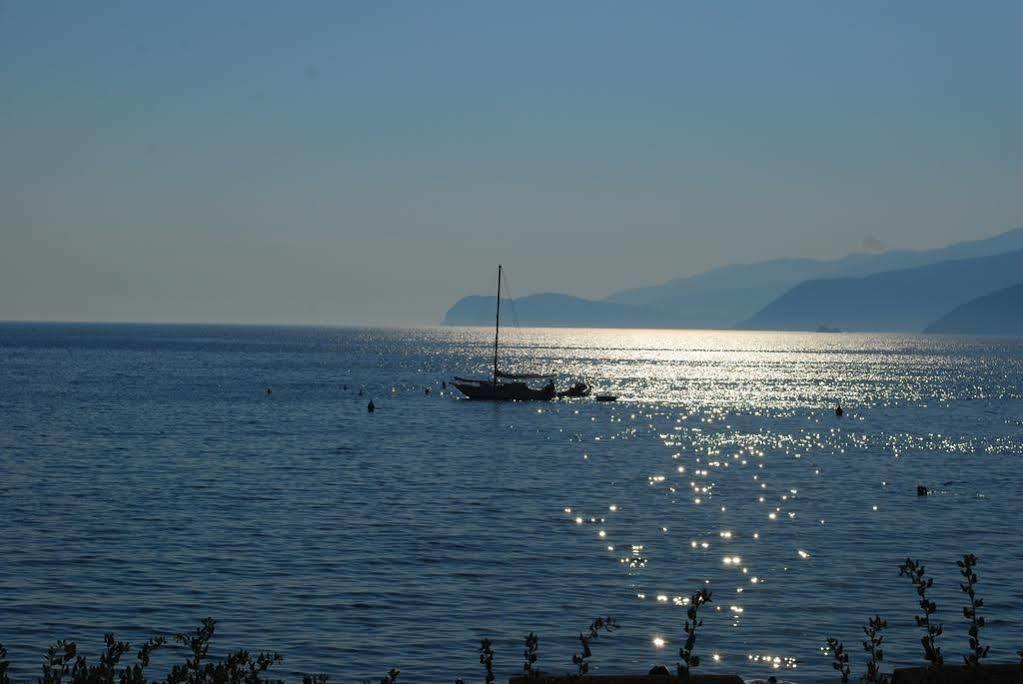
(497, 388)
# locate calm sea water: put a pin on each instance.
(148, 480)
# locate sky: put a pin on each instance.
(372, 162)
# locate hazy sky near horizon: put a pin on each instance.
(371, 162)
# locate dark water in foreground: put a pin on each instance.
(147, 480)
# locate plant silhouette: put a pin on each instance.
(968, 586)
(607, 624)
(531, 655)
(4, 665)
(689, 660)
(487, 658)
(915, 571)
(872, 646)
(841, 658)
(64, 663)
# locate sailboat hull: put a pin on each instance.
(506, 391)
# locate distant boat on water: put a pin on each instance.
(578, 390)
(826, 329)
(498, 387)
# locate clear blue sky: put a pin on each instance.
(347, 162)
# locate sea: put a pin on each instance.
(154, 475)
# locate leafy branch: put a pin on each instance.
(607, 624)
(689, 660)
(4, 665)
(966, 569)
(841, 658)
(487, 658)
(872, 646)
(915, 571)
(531, 655)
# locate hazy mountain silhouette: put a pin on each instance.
(722, 297)
(552, 310)
(903, 300)
(996, 313)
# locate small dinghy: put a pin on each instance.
(607, 397)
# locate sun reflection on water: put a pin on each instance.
(748, 432)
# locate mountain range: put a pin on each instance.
(893, 290)
(997, 313)
(905, 300)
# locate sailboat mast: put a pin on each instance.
(497, 323)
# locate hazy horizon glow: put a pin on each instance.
(346, 163)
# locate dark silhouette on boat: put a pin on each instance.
(579, 389)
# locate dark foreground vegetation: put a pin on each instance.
(63, 664)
